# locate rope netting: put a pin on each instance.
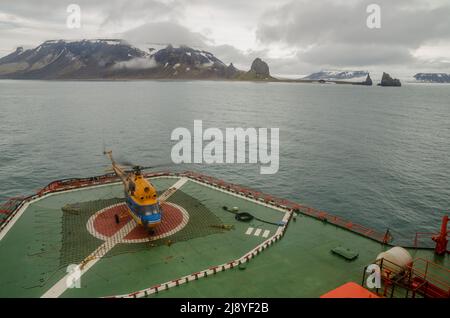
(77, 243)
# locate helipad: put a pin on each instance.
(199, 250)
(103, 226)
(77, 227)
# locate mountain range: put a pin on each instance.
(116, 59)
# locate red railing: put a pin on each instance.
(420, 277)
(283, 203)
(12, 205)
(430, 279)
(420, 236)
(68, 184)
(9, 206)
(440, 239)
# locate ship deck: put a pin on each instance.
(200, 250)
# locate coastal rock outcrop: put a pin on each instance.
(259, 70)
(231, 71)
(368, 81)
(387, 80)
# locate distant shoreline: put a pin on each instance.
(274, 80)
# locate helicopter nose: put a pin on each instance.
(147, 224)
(150, 225)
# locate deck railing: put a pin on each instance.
(420, 278)
(9, 207)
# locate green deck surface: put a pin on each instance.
(301, 264)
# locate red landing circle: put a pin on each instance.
(103, 225)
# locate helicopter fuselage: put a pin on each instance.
(140, 195)
(142, 202)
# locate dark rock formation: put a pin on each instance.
(368, 81)
(231, 71)
(387, 80)
(260, 68)
(258, 71)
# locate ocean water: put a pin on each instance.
(377, 156)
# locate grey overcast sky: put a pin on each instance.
(293, 36)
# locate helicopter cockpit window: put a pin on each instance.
(151, 209)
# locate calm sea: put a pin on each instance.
(377, 156)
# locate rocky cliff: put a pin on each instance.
(368, 81)
(387, 80)
(259, 71)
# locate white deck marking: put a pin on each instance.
(266, 233)
(173, 189)
(13, 220)
(249, 231)
(257, 232)
(60, 287)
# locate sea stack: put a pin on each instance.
(259, 70)
(368, 81)
(387, 80)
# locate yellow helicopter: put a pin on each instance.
(140, 195)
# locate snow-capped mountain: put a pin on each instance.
(62, 59)
(105, 58)
(432, 77)
(332, 75)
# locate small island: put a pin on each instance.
(388, 81)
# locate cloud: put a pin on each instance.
(165, 33)
(122, 14)
(307, 22)
(229, 54)
(356, 55)
(335, 33)
(136, 63)
(293, 36)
